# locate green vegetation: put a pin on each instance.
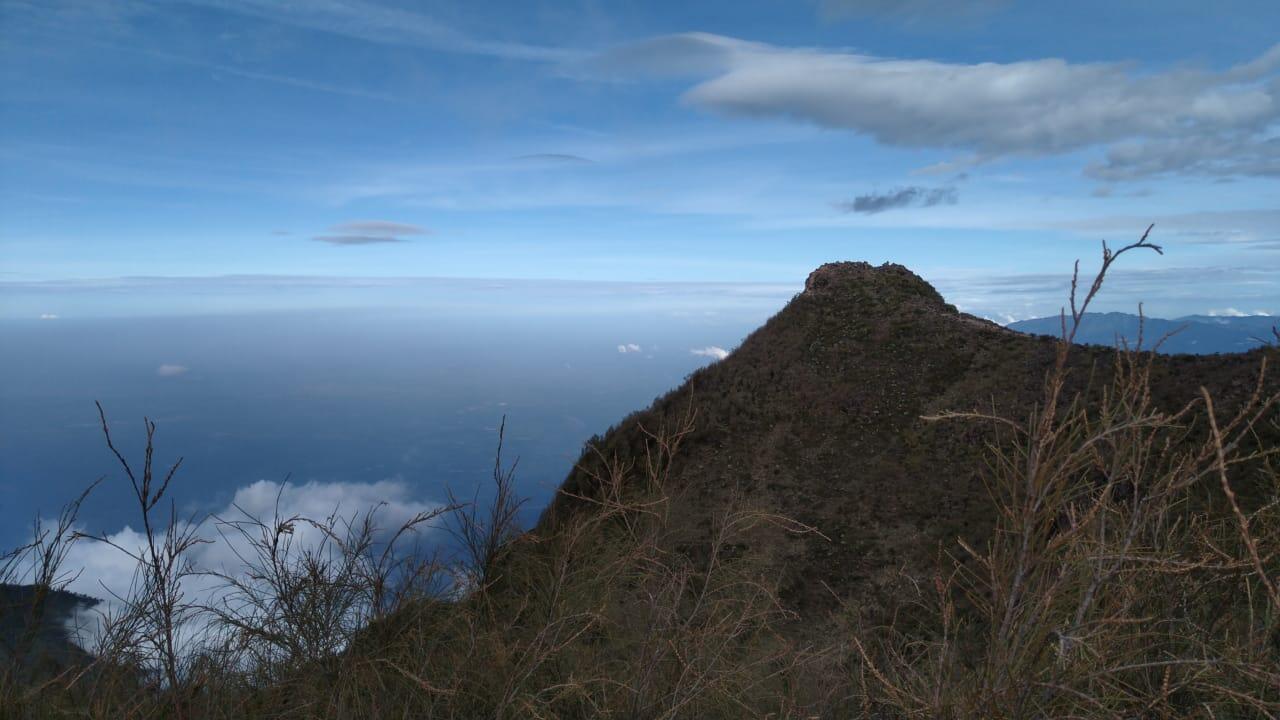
(876, 508)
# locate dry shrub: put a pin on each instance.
(1124, 577)
(1132, 573)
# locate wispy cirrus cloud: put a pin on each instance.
(1256, 229)
(555, 159)
(386, 25)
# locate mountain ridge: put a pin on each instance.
(818, 416)
(1191, 334)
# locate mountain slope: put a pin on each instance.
(818, 416)
(43, 639)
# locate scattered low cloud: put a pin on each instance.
(1233, 312)
(355, 239)
(381, 228)
(629, 348)
(1184, 120)
(902, 197)
(168, 370)
(370, 232)
(711, 351)
(48, 316)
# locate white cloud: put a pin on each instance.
(169, 370)
(711, 351)
(106, 572)
(629, 348)
(1183, 120)
(1233, 312)
(48, 316)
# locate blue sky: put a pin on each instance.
(985, 145)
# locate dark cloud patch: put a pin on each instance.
(370, 232)
(379, 228)
(1106, 191)
(900, 198)
(356, 239)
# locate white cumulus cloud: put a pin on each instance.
(629, 348)
(711, 351)
(106, 572)
(171, 370)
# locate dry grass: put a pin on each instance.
(1126, 577)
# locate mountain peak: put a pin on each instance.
(889, 283)
(819, 416)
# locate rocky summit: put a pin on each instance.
(819, 416)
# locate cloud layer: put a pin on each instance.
(379, 227)
(106, 572)
(1182, 120)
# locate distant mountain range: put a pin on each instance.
(1194, 334)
